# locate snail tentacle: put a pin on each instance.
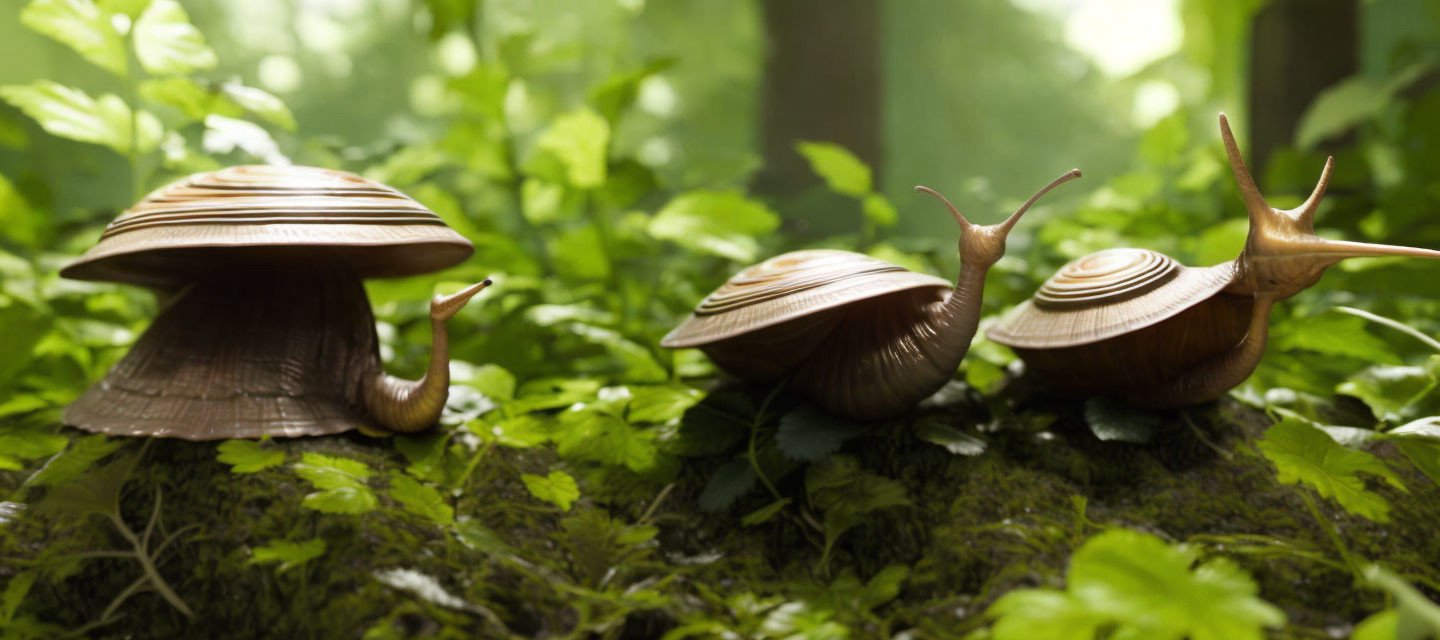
(407, 406)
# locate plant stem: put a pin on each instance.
(1393, 324)
(1334, 535)
(755, 425)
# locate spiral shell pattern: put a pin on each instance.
(789, 274)
(1105, 277)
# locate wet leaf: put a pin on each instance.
(1303, 453)
(937, 431)
(557, 488)
(1111, 419)
(248, 456)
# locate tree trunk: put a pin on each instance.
(1298, 49)
(822, 82)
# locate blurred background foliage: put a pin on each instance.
(614, 160)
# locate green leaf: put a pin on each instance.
(1381, 625)
(1141, 587)
(261, 103)
(492, 380)
(83, 453)
(167, 44)
(587, 434)
(765, 513)
(557, 488)
(580, 140)
(846, 494)
(842, 171)
(1351, 102)
(288, 554)
(71, 113)
(1420, 442)
(541, 201)
(130, 8)
(731, 481)
(1335, 334)
(879, 210)
(342, 484)
(636, 362)
(937, 430)
(707, 429)
(420, 499)
(519, 432)
(96, 492)
(15, 591)
(1416, 616)
(28, 443)
(188, 96)
(722, 223)
(247, 456)
(1111, 419)
(1391, 391)
(80, 25)
(1303, 453)
(661, 403)
(808, 434)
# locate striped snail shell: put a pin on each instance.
(1136, 324)
(861, 337)
(266, 328)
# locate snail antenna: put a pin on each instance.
(964, 224)
(1015, 217)
(1307, 210)
(1254, 202)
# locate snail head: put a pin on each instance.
(984, 245)
(442, 308)
(1282, 254)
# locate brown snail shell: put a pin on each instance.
(267, 329)
(1134, 323)
(862, 337)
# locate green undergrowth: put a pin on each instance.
(491, 559)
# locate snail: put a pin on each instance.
(861, 337)
(1135, 324)
(265, 327)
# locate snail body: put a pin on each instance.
(266, 328)
(1135, 324)
(863, 338)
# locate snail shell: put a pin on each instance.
(862, 337)
(266, 328)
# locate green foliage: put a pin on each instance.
(167, 44)
(1303, 453)
(1132, 584)
(82, 26)
(287, 554)
(955, 441)
(71, 113)
(808, 434)
(1414, 617)
(341, 481)
(248, 456)
(420, 499)
(722, 223)
(846, 495)
(842, 171)
(557, 488)
(1110, 419)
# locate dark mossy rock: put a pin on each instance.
(620, 566)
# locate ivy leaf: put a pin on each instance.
(879, 210)
(342, 484)
(420, 499)
(167, 44)
(1303, 453)
(1111, 419)
(247, 456)
(937, 431)
(82, 26)
(722, 223)
(287, 554)
(731, 481)
(842, 171)
(661, 403)
(580, 140)
(557, 488)
(1143, 588)
(71, 113)
(808, 434)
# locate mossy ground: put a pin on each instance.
(978, 527)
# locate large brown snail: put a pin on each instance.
(1135, 324)
(265, 327)
(861, 337)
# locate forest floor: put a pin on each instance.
(1032, 488)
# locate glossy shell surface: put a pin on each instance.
(379, 231)
(1106, 294)
(791, 286)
